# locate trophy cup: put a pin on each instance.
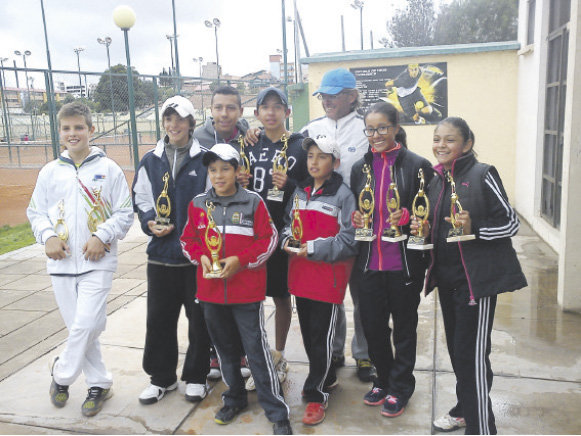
(97, 214)
(420, 212)
(456, 233)
(60, 227)
(276, 194)
(213, 240)
(294, 243)
(163, 207)
(244, 162)
(393, 234)
(366, 205)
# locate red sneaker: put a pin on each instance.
(314, 413)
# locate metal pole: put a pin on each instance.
(131, 102)
(29, 97)
(342, 33)
(217, 58)
(50, 91)
(361, 24)
(16, 73)
(169, 38)
(4, 110)
(156, 97)
(202, 91)
(112, 96)
(175, 37)
(371, 38)
(284, 57)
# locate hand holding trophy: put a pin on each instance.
(280, 165)
(163, 206)
(213, 240)
(420, 212)
(294, 243)
(393, 234)
(366, 205)
(456, 233)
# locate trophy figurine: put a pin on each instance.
(60, 227)
(294, 243)
(213, 240)
(244, 162)
(280, 164)
(366, 205)
(97, 214)
(456, 233)
(163, 207)
(393, 234)
(420, 212)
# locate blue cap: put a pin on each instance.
(272, 90)
(335, 81)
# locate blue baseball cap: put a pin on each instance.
(335, 81)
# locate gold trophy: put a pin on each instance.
(294, 243)
(213, 240)
(96, 214)
(280, 164)
(60, 227)
(420, 212)
(366, 205)
(244, 162)
(456, 233)
(163, 207)
(393, 234)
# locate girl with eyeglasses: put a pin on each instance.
(393, 276)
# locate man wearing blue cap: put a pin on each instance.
(342, 122)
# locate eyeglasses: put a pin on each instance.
(330, 96)
(381, 130)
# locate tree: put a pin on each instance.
(413, 26)
(468, 21)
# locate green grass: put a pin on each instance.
(15, 237)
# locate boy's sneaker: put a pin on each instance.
(365, 370)
(314, 413)
(331, 386)
(196, 392)
(96, 397)
(244, 368)
(448, 423)
(392, 407)
(375, 397)
(280, 366)
(215, 372)
(227, 414)
(282, 427)
(59, 394)
(152, 394)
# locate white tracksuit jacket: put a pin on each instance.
(62, 180)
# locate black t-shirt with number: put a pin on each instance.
(261, 158)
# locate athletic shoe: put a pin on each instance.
(59, 394)
(448, 423)
(338, 361)
(227, 414)
(392, 407)
(375, 397)
(215, 372)
(282, 427)
(152, 394)
(280, 365)
(365, 370)
(96, 397)
(196, 392)
(331, 386)
(244, 368)
(314, 413)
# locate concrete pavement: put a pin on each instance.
(536, 359)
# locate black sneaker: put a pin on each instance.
(282, 427)
(392, 407)
(338, 361)
(375, 397)
(96, 397)
(365, 370)
(227, 414)
(59, 394)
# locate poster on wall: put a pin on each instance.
(418, 91)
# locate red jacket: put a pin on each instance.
(247, 232)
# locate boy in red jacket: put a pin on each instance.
(232, 302)
(319, 272)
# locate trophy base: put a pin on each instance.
(275, 195)
(394, 238)
(418, 243)
(293, 249)
(365, 235)
(294, 246)
(460, 238)
(213, 275)
(161, 223)
(161, 227)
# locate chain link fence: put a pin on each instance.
(28, 131)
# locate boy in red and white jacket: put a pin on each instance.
(319, 272)
(232, 303)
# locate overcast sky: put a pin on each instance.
(249, 33)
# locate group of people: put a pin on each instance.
(266, 212)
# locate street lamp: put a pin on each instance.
(77, 51)
(358, 4)
(24, 54)
(215, 23)
(107, 42)
(199, 60)
(170, 39)
(124, 18)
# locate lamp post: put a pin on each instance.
(50, 91)
(215, 23)
(77, 51)
(175, 45)
(124, 18)
(24, 54)
(358, 4)
(107, 42)
(199, 60)
(170, 39)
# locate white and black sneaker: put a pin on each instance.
(448, 423)
(196, 392)
(152, 394)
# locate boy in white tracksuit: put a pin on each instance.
(80, 207)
